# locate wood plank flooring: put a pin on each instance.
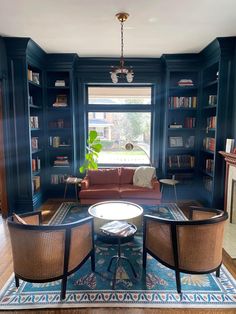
(48, 209)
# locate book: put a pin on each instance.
(118, 228)
(185, 82)
(175, 126)
(61, 83)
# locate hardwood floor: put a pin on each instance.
(48, 209)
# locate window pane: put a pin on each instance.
(119, 128)
(119, 95)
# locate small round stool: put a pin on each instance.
(171, 182)
(72, 180)
(119, 258)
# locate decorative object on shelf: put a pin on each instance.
(93, 148)
(122, 71)
(185, 83)
(175, 126)
(229, 145)
(176, 141)
(34, 122)
(33, 77)
(189, 141)
(130, 146)
(61, 101)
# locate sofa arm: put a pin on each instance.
(155, 184)
(85, 183)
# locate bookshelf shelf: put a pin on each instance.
(36, 173)
(182, 129)
(36, 151)
(33, 84)
(209, 84)
(58, 87)
(209, 107)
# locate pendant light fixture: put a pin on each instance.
(121, 71)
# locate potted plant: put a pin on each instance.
(93, 148)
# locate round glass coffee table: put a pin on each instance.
(115, 210)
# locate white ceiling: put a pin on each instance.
(89, 27)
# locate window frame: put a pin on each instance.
(124, 108)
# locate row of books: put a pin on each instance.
(34, 122)
(36, 183)
(33, 77)
(57, 141)
(59, 124)
(36, 164)
(208, 183)
(181, 161)
(182, 102)
(212, 100)
(190, 122)
(209, 165)
(211, 122)
(209, 143)
(34, 143)
(58, 178)
(61, 161)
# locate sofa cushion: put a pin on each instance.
(130, 191)
(103, 176)
(126, 175)
(110, 191)
(143, 176)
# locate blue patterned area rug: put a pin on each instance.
(154, 288)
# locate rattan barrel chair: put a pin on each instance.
(43, 253)
(193, 246)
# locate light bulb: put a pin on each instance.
(129, 77)
(114, 77)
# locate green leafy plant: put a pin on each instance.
(93, 148)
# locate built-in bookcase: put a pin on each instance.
(35, 105)
(59, 125)
(182, 105)
(208, 130)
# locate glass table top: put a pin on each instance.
(115, 210)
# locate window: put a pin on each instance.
(118, 126)
(119, 95)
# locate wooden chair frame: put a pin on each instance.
(67, 228)
(220, 216)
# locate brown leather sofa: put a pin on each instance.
(117, 184)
